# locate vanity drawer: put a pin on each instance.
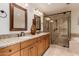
(27, 43)
(9, 50)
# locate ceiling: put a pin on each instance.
(51, 8)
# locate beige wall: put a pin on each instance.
(74, 18)
(4, 22)
(31, 13)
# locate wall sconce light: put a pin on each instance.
(3, 14)
(48, 19)
(51, 21)
(37, 12)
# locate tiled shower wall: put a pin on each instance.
(63, 25)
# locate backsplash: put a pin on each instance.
(13, 34)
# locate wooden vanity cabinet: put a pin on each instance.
(36, 47)
(7, 51)
(47, 41)
(16, 54)
(29, 51)
(41, 44)
(25, 52)
(32, 47)
(27, 43)
(29, 48)
(33, 50)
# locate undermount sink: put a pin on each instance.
(26, 36)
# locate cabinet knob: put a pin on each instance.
(10, 50)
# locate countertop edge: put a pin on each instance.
(35, 36)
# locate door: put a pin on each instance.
(64, 30)
(40, 46)
(46, 42)
(60, 28)
(33, 50)
(29, 51)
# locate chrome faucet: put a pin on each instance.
(22, 34)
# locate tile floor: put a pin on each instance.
(56, 50)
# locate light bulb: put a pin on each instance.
(51, 21)
(47, 18)
(26, 4)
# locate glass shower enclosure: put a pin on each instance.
(60, 28)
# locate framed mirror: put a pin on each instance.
(18, 18)
(38, 22)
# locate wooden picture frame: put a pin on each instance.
(38, 22)
(12, 28)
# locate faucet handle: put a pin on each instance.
(18, 35)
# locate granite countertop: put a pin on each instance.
(15, 40)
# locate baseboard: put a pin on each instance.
(74, 34)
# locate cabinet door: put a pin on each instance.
(47, 43)
(25, 52)
(33, 50)
(7, 51)
(40, 47)
(16, 54)
(29, 51)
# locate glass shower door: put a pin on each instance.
(64, 30)
(60, 28)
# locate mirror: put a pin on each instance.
(18, 18)
(38, 22)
